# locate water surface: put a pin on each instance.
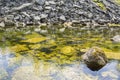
(50, 53)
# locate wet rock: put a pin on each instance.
(2, 24)
(95, 58)
(116, 39)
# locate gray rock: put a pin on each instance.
(37, 18)
(48, 7)
(44, 16)
(40, 2)
(21, 7)
(62, 17)
(116, 39)
(50, 3)
(16, 18)
(95, 58)
(26, 14)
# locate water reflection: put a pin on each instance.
(28, 68)
(56, 55)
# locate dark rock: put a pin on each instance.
(95, 58)
(46, 50)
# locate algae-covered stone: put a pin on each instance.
(67, 50)
(36, 46)
(18, 48)
(95, 58)
(34, 40)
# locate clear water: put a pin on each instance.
(46, 53)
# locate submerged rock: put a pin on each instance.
(116, 38)
(95, 58)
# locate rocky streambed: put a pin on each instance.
(32, 12)
(54, 53)
(47, 39)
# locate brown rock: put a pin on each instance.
(95, 58)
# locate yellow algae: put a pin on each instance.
(18, 48)
(117, 1)
(33, 35)
(63, 57)
(35, 46)
(34, 40)
(113, 25)
(100, 4)
(113, 55)
(52, 42)
(73, 58)
(68, 50)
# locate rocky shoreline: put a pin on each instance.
(35, 12)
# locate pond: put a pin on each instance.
(54, 53)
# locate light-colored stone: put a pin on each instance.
(2, 24)
(48, 7)
(37, 18)
(116, 39)
(62, 17)
(44, 16)
(50, 3)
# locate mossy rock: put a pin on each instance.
(19, 47)
(95, 58)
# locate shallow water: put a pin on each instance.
(45, 53)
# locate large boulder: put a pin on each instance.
(95, 58)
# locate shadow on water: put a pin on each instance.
(56, 55)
